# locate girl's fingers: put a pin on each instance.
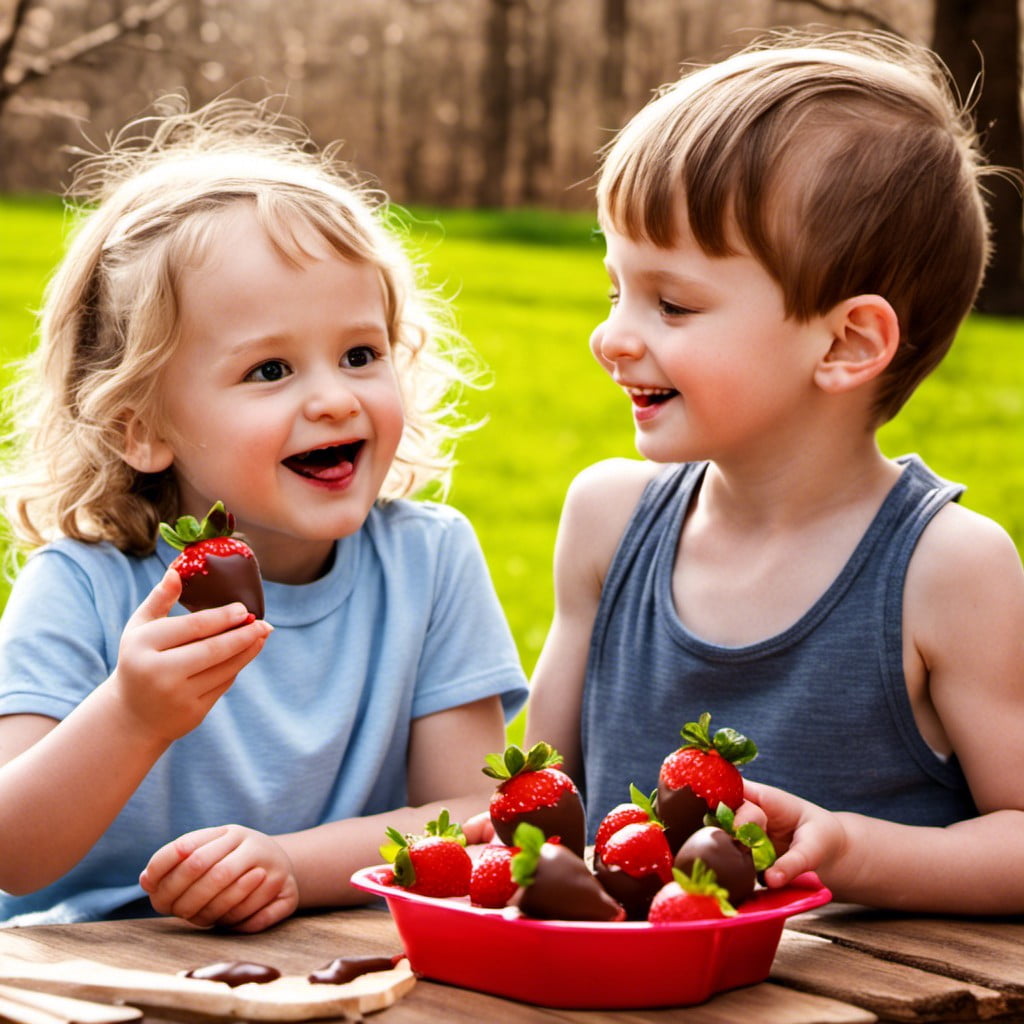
(159, 601)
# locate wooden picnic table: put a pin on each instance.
(836, 965)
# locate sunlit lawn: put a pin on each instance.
(529, 287)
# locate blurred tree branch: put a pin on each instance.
(13, 76)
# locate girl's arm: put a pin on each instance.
(597, 508)
(63, 783)
(246, 880)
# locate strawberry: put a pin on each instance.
(555, 884)
(433, 864)
(216, 568)
(641, 810)
(693, 897)
(533, 789)
(491, 884)
(736, 855)
(699, 776)
(634, 865)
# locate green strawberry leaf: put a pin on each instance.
(752, 836)
(444, 827)
(702, 881)
(523, 865)
(734, 746)
(645, 802)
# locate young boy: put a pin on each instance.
(793, 238)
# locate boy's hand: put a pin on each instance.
(806, 837)
(171, 670)
(229, 876)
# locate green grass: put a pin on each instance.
(529, 287)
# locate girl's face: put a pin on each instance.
(703, 348)
(283, 399)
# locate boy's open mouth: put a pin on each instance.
(643, 397)
(329, 463)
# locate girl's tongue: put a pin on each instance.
(327, 464)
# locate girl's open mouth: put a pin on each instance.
(333, 462)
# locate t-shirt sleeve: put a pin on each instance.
(469, 652)
(53, 650)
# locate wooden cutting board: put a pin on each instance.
(288, 998)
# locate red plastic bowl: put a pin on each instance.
(590, 965)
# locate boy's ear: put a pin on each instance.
(144, 450)
(865, 336)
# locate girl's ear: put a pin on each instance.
(144, 450)
(865, 336)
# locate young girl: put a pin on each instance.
(234, 321)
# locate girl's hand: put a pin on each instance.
(229, 876)
(171, 670)
(806, 837)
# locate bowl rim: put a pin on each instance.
(806, 892)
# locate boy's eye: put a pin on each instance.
(671, 309)
(613, 296)
(361, 355)
(271, 370)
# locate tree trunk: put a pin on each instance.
(962, 29)
(497, 105)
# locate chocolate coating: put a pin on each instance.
(682, 811)
(346, 968)
(731, 861)
(226, 579)
(234, 973)
(635, 894)
(563, 889)
(565, 819)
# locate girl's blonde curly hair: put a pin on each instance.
(110, 318)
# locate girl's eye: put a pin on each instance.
(271, 370)
(361, 355)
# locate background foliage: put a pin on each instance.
(529, 287)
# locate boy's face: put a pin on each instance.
(703, 349)
(283, 399)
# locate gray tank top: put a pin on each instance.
(825, 700)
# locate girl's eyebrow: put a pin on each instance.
(359, 329)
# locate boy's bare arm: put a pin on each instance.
(597, 508)
(964, 616)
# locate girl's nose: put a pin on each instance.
(330, 397)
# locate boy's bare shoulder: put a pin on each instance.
(598, 505)
(965, 577)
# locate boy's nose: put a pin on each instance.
(614, 340)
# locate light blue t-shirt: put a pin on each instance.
(405, 623)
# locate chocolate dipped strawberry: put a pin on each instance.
(735, 854)
(699, 776)
(634, 864)
(640, 808)
(533, 789)
(215, 566)
(555, 884)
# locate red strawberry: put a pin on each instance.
(699, 776)
(736, 855)
(635, 864)
(533, 789)
(693, 897)
(434, 864)
(491, 884)
(640, 810)
(555, 884)
(216, 568)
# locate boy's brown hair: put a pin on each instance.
(844, 164)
